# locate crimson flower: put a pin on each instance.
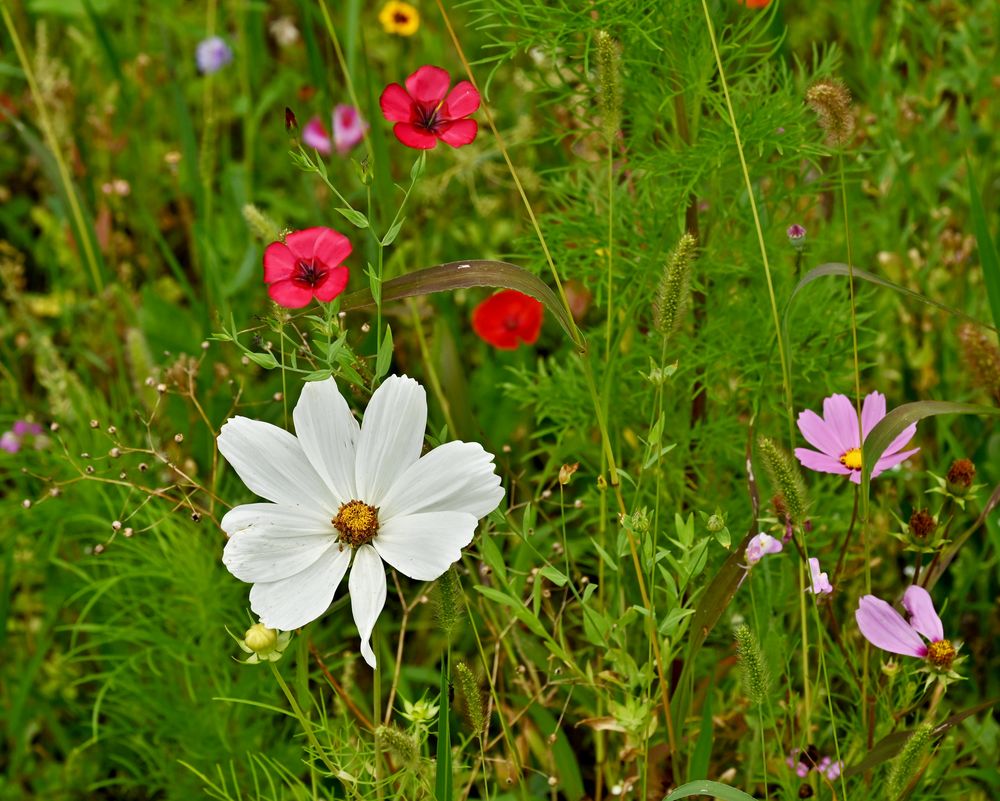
(306, 265)
(508, 318)
(423, 114)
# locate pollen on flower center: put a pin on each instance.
(357, 523)
(308, 273)
(941, 654)
(852, 459)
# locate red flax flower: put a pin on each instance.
(423, 114)
(306, 265)
(508, 318)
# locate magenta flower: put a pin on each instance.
(820, 581)
(20, 433)
(348, 127)
(10, 442)
(885, 628)
(760, 546)
(839, 442)
(315, 136)
(423, 114)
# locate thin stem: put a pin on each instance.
(306, 725)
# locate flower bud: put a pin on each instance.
(260, 639)
(960, 476)
(922, 524)
(566, 472)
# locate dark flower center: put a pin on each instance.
(511, 323)
(429, 119)
(400, 18)
(357, 523)
(308, 273)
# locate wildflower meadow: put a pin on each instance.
(500, 399)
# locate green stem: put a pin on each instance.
(306, 725)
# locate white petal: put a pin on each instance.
(294, 601)
(454, 477)
(276, 520)
(272, 464)
(423, 546)
(367, 588)
(391, 435)
(328, 434)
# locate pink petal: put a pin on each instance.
(901, 441)
(332, 285)
(289, 294)
(462, 101)
(842, 418)
(458, 133)
(331, 247)
(279, 262)
(872, 411)
(397, 105)
(348, 127)
(315, 136)
(428, 85)
(818, 434)
(917, 601)
(820, 580)
(412, 136)
(886, 462)
(820, 462)
(885, 628)
(303, 243)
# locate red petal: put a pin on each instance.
(530, 319)
(303, 243)
(333, 284)
(279, 262)
(289, 294)
(462, 101)
(490, 319)
(412, 136)
(428, 86)
(458, 133)
(397, 105)
(331, 247)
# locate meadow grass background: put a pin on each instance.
(119, 679)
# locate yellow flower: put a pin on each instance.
(399, 17)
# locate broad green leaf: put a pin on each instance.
(384, 354)
(355, 217)
(892, 425)
(988, 258)
(464, 274)
(265, 360)
(713, 789)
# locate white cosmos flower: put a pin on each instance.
(340, 490)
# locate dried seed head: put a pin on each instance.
(785, 476)
(609, 85)
(831, 101)
(674, 288)
(982, 358)
(960, 476)
(922, 524)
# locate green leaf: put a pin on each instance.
(463, 274)
(556, 577)
(355, 217)
(384, 354)
(393, 232)
(442, 768)
(265, 360)
(988, 258)
(714, 789)
(892, 425)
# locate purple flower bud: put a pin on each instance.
(797, 236)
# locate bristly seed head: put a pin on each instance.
(831, 101)
(674, 288)
(357, 523)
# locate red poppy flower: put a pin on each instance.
(754, 3)
(306, 265)
(507, 317)
(423, 114)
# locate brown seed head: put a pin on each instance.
(922, 524)
(960, 476)
(831, 101)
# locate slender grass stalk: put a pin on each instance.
(307, 727)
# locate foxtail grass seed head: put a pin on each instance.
(982, 358)
(262, 226)
(756, 679)
(673, 291)
(609, 85)
(960, 476)
(906, 765)
(468, 687)
(785, 476)
(400, 744)
(831, 100)
(448, 601)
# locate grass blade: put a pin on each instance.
(988, 258)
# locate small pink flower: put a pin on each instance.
(760, 546)
(885, 628)
(839, 442)
(348, 127)
(10, 442)
(820, 581)
(315, 136)
(423, 114)
(306, 265)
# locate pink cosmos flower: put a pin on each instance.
(836, 436)
(423, 114)
(306, 265)
(315, 136)
(820, 581)
(885, 628)
(348, 127)
(760, 546)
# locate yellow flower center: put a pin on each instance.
(357, 523)
(941, 654)
(852, 459)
